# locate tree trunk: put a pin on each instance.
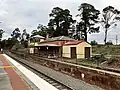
(105, 40)
(85, 36)
(85, 31)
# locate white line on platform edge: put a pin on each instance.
(39, 82)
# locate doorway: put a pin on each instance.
(87, 52)
(73, 52)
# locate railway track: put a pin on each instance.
(105, 74)
(94, 67)
(50, 80)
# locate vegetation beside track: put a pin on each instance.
(93, 76)
(106, 49)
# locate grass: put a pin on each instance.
(108, 49)
(87, 62)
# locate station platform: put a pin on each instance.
(11, 80)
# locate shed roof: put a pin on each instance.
(37, 36)
(62, 38)
(48, 45)
(74, 42)
(58, 38)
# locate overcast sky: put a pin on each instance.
(29, 13)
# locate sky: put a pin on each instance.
(27, 14)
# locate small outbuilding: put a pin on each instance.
(77, 49)
(34, 40)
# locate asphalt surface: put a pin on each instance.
(4, 79)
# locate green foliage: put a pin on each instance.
(25, 35)
(99, 58)
(50, 31)
(89, 16)
(1, 33)
(42, 30)
(112, 60)
(94, 42)
(34, 32)
(72, 32)
(109, 43)
(106, 49)
(25, 38)
(110, 16)
(61, 20)
(8, 44)
(16, 33)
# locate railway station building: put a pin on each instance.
(64, 47)
(77, 49)
(52, 47)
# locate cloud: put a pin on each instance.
(29, 13)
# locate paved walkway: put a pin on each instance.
(4, 79)
(9, 79)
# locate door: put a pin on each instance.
(87, 52)
(73, 52)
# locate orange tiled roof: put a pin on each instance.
(74, 42)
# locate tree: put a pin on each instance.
(11, 42)
(3, 43)
(61, 20)
(16, 33)
(110, 16)
(50, 31)
(94, 42)
(89, 16)
(34, 32)
(42, 30)
(72, 32)
(25, 38)
(109, 42)
(1, 33)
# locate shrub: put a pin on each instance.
(112, 60)
(94, 42)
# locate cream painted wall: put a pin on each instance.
(80, 50)
(67, 51)
(35, 43)
(41, 40)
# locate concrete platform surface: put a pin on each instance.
(9, 79)
(4, 79)
(39, 82)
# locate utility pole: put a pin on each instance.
(116, 39)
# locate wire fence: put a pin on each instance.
(62, 55)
